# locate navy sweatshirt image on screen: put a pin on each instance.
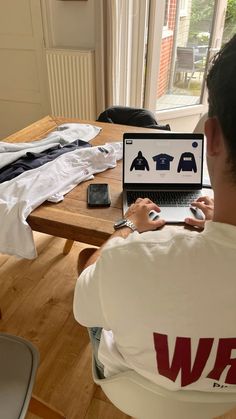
(187, 163)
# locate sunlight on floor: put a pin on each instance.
(181, 95)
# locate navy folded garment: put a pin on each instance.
(33, 160)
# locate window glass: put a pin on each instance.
(184, 53)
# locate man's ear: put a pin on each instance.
(214, 136)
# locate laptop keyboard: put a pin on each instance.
(164, 198)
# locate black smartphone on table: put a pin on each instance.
(98, 195)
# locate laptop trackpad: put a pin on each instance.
(178, 214)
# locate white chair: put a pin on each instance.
(18, 365)
(140, 398)
(199, 128)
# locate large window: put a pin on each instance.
(195, 30)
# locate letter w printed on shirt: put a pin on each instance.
(191, 370)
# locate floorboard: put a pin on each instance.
(36, 302)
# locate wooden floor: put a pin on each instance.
(36, 303)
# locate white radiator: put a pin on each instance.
(71, 75)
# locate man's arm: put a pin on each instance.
(89, 255)
(138, 213)
(87, 285)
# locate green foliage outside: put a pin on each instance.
(201, 11)
(201, 21)
(231, 11)
(230, 20)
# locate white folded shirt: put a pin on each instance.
(21, 195)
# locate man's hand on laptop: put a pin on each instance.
(139, 212)
(206, 205)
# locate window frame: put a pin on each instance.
(183, 8)
(153, 60)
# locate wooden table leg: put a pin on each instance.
(44, 410)
(67, 247)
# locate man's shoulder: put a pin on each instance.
(169, 235)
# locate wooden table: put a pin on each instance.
(71, 218)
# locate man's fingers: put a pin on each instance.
(147, 203)
(206, 199)
(154, 207)
(207, 210)
(200, 205)
(158, 223)
(144, 200)
(195, 223)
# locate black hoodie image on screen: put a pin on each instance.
(139, 163)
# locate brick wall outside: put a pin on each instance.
(166, 52)
(172, 13)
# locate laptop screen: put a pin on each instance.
(168, 159)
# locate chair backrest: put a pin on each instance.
(127, 115)
(140, 398)
(18, 365)
(185, 59)
(199, 129)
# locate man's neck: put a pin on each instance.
(225, 204)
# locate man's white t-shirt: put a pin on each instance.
(167, 303)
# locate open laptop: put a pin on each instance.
(165, 167)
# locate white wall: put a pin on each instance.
(70, 24)
(185, 123)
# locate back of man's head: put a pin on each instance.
(221, 83)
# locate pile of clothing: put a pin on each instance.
(47, 169)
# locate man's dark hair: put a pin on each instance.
(221, 83)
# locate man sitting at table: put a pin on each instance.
(163, 302)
